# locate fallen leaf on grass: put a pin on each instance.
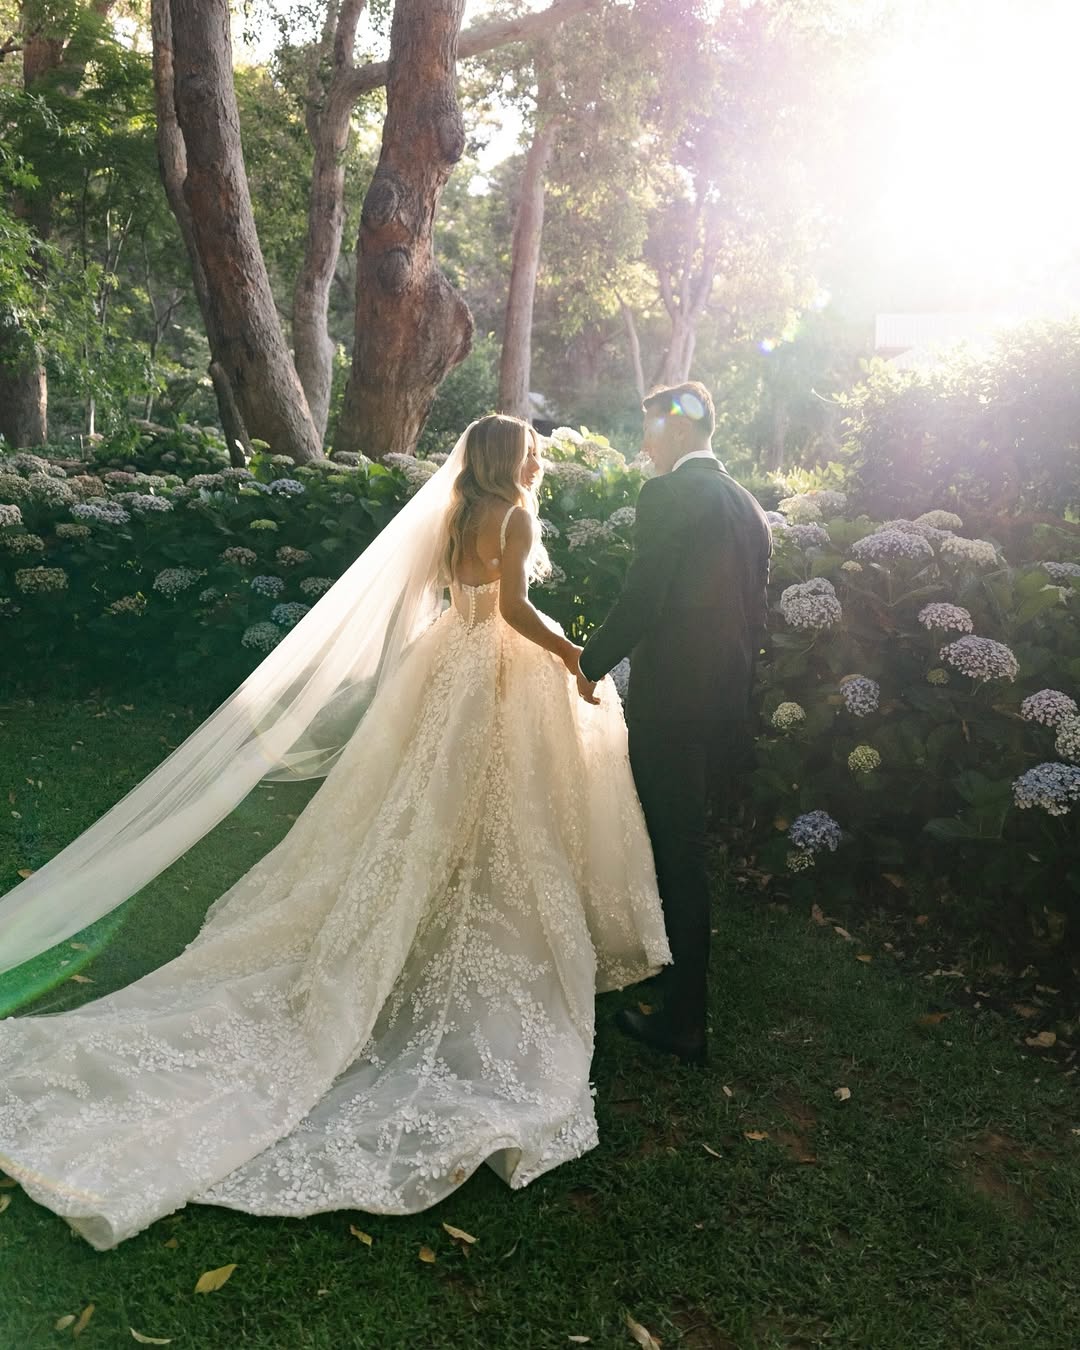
(580, 1340)
(864, 957)
(426, 1254)
(842, 1094)
(894, 879)
(5, 1200)
(711, 1151)
(458, 1234)
(922, 919)
(62, 1323)
(6, 1182)
(149, 1340)
(1044, 1040)
(82, 979)
(727, 1091)
(79, 946)
(645, 1009)
(210, 1280)
(843, 933)
(756, 1135)
(641, 1334)
(931, 1019)
(1025, 1010)
(84, 1318)
(365, 1238)
(26, 872)
(172, 1242)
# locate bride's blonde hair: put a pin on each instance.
(494, 453)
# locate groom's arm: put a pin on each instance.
(646, 586)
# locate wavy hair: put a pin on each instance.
(494, 452)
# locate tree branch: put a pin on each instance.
(483, 37)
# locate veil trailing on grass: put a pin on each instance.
(290, 719)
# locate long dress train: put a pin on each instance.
(398, 991)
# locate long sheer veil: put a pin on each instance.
(290, 719)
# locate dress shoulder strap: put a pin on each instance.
(502, 530)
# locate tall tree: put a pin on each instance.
(412, 327)
(203, 166)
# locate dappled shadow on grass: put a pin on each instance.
(748, 1206)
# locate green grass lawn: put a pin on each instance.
(746, 1206)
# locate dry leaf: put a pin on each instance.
(1044, 1040)
(863, 956)
(82, 979)
(149, 1340)
(641, 1334)
(26, 872)
(1025, 1010)
(645, 1008)
(62, 1323)
(756, 1135)
(458, 1174)
(458, 1234)
(843, 933)
(6, 1182)
(172, 1242)
(818, 915)
(210, 1280)
(84, 1318)
(931, 1019)
(842, 1094)
(580, 1340)
(1046, 989)
(5, 1200)
(921, 919)
(894, 879)
(426, 1254)
(79, 946)
(712, 1151)
(727, 1091)
(365, 1238)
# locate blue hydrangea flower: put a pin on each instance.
(262, 636)
(268, 585)
(1053, 787)
(105, 513)
(286, 487)
(289, 614)
(173, 580)
(981, 658)
(861, 695)
(809, 535)
(886, 545)
(814, 831)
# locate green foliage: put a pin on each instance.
(470, 390)
(970, 432)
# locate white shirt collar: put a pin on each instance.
(694, 454)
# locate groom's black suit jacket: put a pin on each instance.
(691, 615)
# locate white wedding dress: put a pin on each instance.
(398, 991)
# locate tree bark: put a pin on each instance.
(686, 294)
(242, 322)
(328, 121)
(23, 390)
(515, 362)
(412, 328)
(635, 347)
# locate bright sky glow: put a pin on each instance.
(980, 154)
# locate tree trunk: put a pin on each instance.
(23, 390)
(329, 114)
(241, 319)
(635, 347)
(412, 328)
(515, 362)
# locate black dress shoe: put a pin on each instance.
(654, 1032)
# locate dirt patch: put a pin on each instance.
(984, 1163)
(697, 1330)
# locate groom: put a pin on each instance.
(692, 617)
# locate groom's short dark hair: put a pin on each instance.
(690, 400)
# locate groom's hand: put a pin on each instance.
(586, 688)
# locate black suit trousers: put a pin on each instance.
(681, 769)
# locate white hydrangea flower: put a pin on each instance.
(581, 533)
(830, 502)
(1067, 744)
(788, 716)
(885, 545)
(127, 604)
(811, 604)
(977, 552)
(851, 566)
(937, 676)
(316, 586)
(981, 659)
(864, 759)
(801, 509)
(568, 476)
(940, 520)
(623, 518)
(1047, 707)
(1061, 571)
(261, 636)
(799, 860)
(946, 618)
(554, 578)
(548, 529)
(806, 536)
(24, 543)
(29, 579)
(173, 580)
(10, 514)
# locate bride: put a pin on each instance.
(402, 988)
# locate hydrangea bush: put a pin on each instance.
(918, 692)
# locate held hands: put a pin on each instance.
(586, 688)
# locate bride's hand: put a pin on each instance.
(570, 656)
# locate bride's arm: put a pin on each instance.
(514, 603)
